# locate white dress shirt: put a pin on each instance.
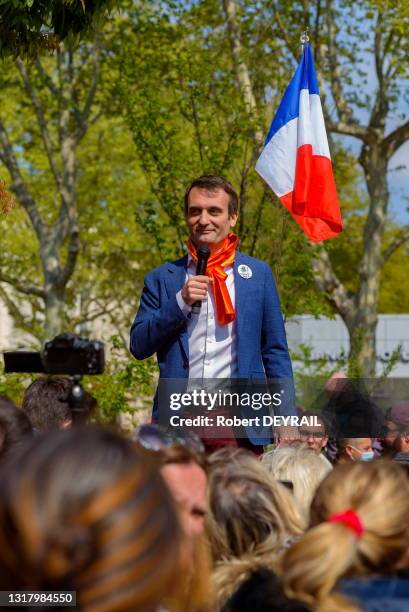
(212, 347)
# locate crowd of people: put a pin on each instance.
(153, 523)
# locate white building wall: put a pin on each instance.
(327, 337)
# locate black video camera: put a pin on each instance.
(65, 354)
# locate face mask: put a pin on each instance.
(364, 455)
(367, 456)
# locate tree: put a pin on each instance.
(389, 48)
(61, 96)
(110, 259)
(336, 53)
(107, 183)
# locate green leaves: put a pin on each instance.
(125, 386)
(29, 27)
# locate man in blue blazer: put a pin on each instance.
(239, 333)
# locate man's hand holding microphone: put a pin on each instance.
(196, 288)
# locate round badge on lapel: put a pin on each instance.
(244, 271)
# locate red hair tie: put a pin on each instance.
(349, 518)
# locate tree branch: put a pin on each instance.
(258, 215)
(397, 242)
(352, 129)
(95, 315)
(344, 111)
(46, 78)
(328, 281)
(69, 267)
(284, 34)
(45, 135)
(67, 221)
(25, 288)
(395, 139)
(381, 105)
(241, 69)
(379, 57)
(84, 115)
(19, 187)
(19, 320)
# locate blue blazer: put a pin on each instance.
(160, 326)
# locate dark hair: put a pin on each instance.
(262, 591)
(15, 428)
(214, 183)
(46, 403)
(84, 509)
(352, 411)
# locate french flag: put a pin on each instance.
(296, 161)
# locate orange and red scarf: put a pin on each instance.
(224, 257)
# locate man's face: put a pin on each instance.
(314, 437)
(402, 442)
(208, 219)
(187, 483)
(390, 439)
(359, 446)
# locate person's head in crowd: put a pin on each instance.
(402, 442)
(359, 527)
(183, 466)
(47, 404)
(314, 436)
(251, 519)
(355, 449)
(336, 383)
(303, 468)
(396, 422)
(402, 449)
(244, 485)
(184, 471)
(84, 509)
(262, 592)
(287, 436)
(15, 428)
(352, 411)
(228, 455)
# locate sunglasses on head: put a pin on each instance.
(155, 438)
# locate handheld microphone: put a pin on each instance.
(203, 254)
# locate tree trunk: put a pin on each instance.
(54, 314)
(363, 330)
(362, 351)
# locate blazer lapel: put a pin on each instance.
(174, 280)
(176, 276)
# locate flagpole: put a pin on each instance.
(304, 39)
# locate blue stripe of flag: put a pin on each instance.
(304, 78)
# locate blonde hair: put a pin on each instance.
(304, 468)
(251, 518)
(379, 494)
